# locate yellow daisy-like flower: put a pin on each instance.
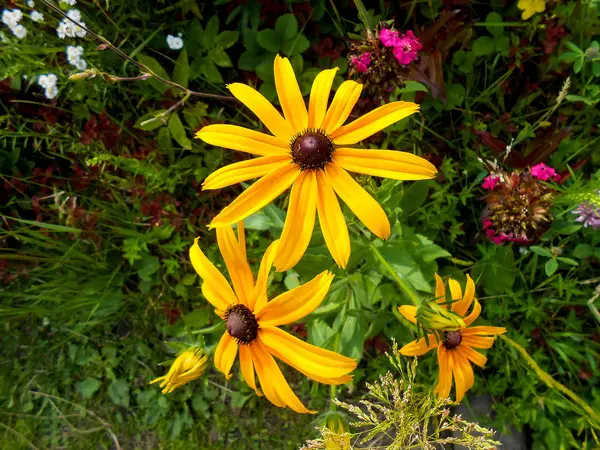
(309, 150)
(339, 438)
(456, 352)
(252, 322)
(530, 7)
(188, 366)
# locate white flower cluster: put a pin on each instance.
(70, 2)
(36, 16)
(66, 28)
(48, 82)
(11, 19)
(74, 55)
(175, 42)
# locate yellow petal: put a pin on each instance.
(318, 364)
(241, 238)
(372, 122)
(290, 97)
(332, 222)
(385, 163)
(243, 140)
(295, 304)
(237, 266)
(263, 109)
(220, 294)
(244, 171)
(343, 102)
(247, 367)
(419, 347)
(466, 368)
(358, 200)
(259, 295)
(476, 341)
(440, 289)
(462, 306)
(272, 381)
(483, 331)
(475, 357)
(455, 292)
(444, 384)
(474, 314)
(225, 354)
(299, 221)
(460, 376)
(257, 196)
(409, 312)
(319, 97)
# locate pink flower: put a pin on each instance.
(490, 182)
(543, 172)
(389, 38)
(407, 48)
(361, 63)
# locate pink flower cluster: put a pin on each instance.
(501, 238)
(489, 182)
(361, 63)
(405, 47)
(543, 172)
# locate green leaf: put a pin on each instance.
(541, 251)
(265, 72)
(210, 33)
(88, 387)
(574, 48)
(569, 56)
(198, 318)
(493, 23)
(155, 67)
(578, 65)
(181, 72)
(268, 90)
(146, 266)
(583, 251)
(455, 93)
(569, 261)
(219, 57)
(295, 46)
(352, 336)
(248, 61)
(48, 226)
(286, 27)
(227, 39)
(413, 86)
(269, 40)
(579, 98)
(483, 46)
(150, 121)
(502, 45)
(194, 115)
(551, 266)
(178, 132)
(211, 72)
(118, 391)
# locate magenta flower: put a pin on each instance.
(490, 182)
(589, 215)
(407, 48)
(361, 63)
(389, 38)
(543, 172)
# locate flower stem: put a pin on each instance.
(551, 382)
(404, 287)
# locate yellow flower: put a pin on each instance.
(188, 366)
(456, 352)
(338, 439)
(530, 7)
(252, 322)
(309, 150)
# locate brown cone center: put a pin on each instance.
(312, 150)
(452, 339)
(241, 324)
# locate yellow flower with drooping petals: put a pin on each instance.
(310, 151)
(456, 351)
(530, 7)
(252, 322)
(188, 366)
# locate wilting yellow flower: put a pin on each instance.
(252, 321)
(309, 150)
(188, 366)
(338, 439)
(530, 7)
(456, 351)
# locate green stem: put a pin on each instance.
(401, 283)
(551, 382)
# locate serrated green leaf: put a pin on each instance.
(269, 40)
(88, 387)
(227, 39)
(295, 46)
(219, 57)
(178, 132)
(118, 391)
(211, 72)
(248, 61)
(264, 71)
(210, 32)
(286, 27)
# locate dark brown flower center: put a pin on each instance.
(312, 149)
(452, 339)
(241, 324)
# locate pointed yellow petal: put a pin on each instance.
(263, 109)
(319, 97)
(244, 171)
(332, 222)
(259, 295)
(290, 97)
(460, 377)
(372, 122)
(462, 306)
(225, 354)
(444, 384)
(476, 341)
(409, 312)
(475, 357)
(272, 381)
(241, 238)
(440, 289)
(419, 347)
(455, 292)
(219, 293)
(247, 367)
(237, 266)
(343, 102)
(385, 163)
(358, 200)
(483, 331)
(299, 221)
(243, 140)
(474, 314)
(466, 367)
(295, 304)
(257, 196)
(318, 364)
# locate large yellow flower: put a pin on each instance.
(252, 321)
(456, 352)
(309, 150)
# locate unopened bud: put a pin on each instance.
(433, 316)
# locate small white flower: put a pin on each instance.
(51, 92)
(174, 42)
(74, 14)
(70, 2)
(66, 28)
(19, 31)
(81, 64)
(36, 16)
(48, 82)
(12, 18)
(74, 54)
(31, 3)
